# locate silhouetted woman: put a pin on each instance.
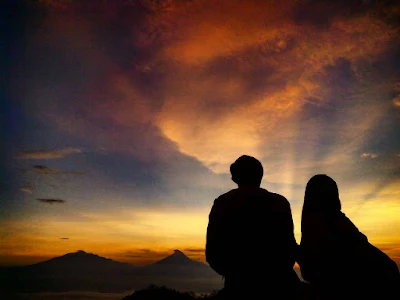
(335, 257)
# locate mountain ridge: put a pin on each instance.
(177, 257)
(80, 254)
(81, 270)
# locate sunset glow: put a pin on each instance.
(122, 120)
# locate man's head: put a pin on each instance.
(247, 171)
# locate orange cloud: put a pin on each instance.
(222, 78)
(396, 100)
(25, 190)
(200, 36)
(213, 80)
(248, 120)
(369, 155)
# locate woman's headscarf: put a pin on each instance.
(321, 197)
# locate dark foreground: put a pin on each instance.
(163, 293)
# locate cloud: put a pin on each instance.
(228, 104)
(25, 190)
(145, 255)
(64, 238)
(194, 250)
(50, 201)
(396, 100)
(44, 170)
(196, 253)
(29, 185)
(48, 154)
(144, 251)
(101, 150)
(193, 90)
(213, 86)
(206, 81)
(369, 155)
(383, 181)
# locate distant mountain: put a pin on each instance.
(180, 272)
(178, 265)
(81, 261)
(72, 271)
(178, 258)
(81, 271)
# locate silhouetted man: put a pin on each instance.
(250, 239)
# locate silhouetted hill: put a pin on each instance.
(178, 264)
(178, 258)
(180, 272)
(72, 271)
(81, 261)
(81, 271)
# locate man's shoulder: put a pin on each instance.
(226, 196)
(278, 197)
(277, 200)
(260, 192)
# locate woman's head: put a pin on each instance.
(321, 195)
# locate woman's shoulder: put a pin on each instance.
(333, 226)
(346, 227)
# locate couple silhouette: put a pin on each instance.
(250, 242)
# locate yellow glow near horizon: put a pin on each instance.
(203, 83)
(107, 234)
(152, 234)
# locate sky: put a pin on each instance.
(120, 119)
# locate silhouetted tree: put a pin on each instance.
(154, 292)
